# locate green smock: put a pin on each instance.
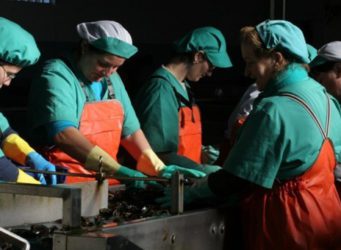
(157, 108)
(280, 140)
(3, 126)
(56, 95)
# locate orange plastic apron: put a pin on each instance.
(301, 213)
(190, 133)
(101, 123)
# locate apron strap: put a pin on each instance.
(188, 103)
(111, 92)
(311, 112)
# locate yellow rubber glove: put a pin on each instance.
(109, 165)
(149, 163)
(93, 161)
(25, 178)
(16, 148)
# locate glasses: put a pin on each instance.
(8, 74)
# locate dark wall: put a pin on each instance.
(153, 25)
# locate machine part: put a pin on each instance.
(191, 230)
(13, 240)
(177, 187)
(90, 241)
(40, 209)
(98, 176)
(71, 198)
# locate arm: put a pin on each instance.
(157, 110)
(18, 150)
(135, 143)
(72, 142)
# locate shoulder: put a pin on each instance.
(56, 66)
(160, 80)
(56, 71)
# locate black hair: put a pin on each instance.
(186, 57)
(325, 67)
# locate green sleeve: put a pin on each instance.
(3, 123)
(130, 123)
(3, 126)
(272, 144)
(254, 157)
(55, 95)
(334, 133)
(157, 108)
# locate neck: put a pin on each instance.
(178, 70)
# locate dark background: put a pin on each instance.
(153, 26)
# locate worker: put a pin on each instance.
(18, 49)
(79, 109)
(236, 120)
(241, 112)
(326, 69)
(165, 105)
(283, 160)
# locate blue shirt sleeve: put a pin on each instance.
(53, 128)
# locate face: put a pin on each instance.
(200, 68)
(331, 80)
(7, 73)
(260, 69)
(95, 66)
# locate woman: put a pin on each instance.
(18, 49)
(165, 106)
(326, 69)
(287, 149)
(241, 112)
(79, 108)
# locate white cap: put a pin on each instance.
(109, 36)
(330, 52)
(92, 31)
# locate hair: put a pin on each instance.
(325, 67)
(185, 57)
(3, 62)
(91, 48)
(249, 36)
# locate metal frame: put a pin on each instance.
(281, 9)
(177, 187)
(11, 238)
(71, 198)
(199, 230)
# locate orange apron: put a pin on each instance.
(101, 123)
(190, 133)
(301, 213)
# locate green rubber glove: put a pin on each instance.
(169, 170)
(197, 191)
(209, 154)
(208, 169)
(127, 172)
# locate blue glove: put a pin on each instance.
(169, 170)
(199, 190)
(36, 161)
